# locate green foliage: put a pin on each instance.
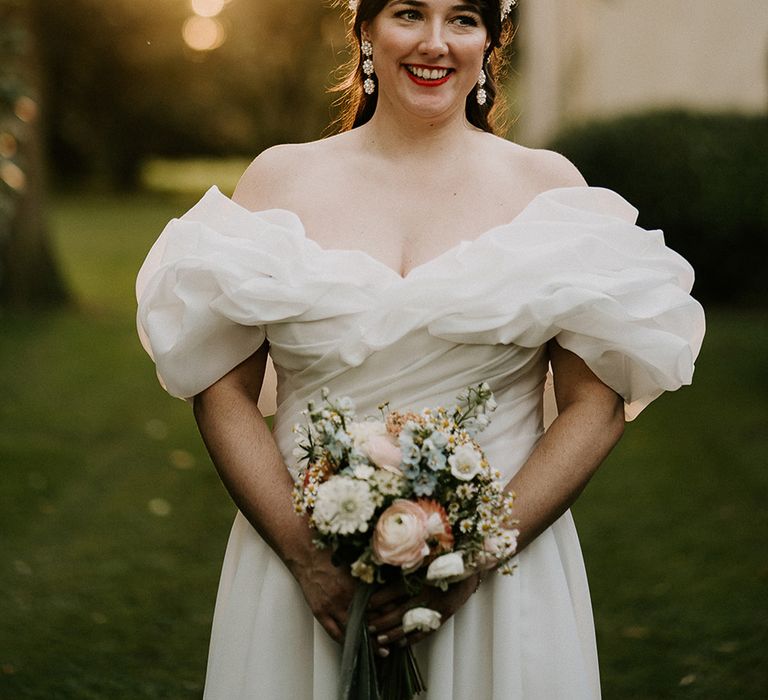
(702, 178)
(113, 523)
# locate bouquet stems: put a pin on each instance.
(400, 675)
(363, 675)
(358, 666)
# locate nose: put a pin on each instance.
(433, 42)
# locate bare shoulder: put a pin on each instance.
(532, 169)
(259, 186)
(275, 176)
(550, 169)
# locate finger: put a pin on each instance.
(333, 628)
(413, 638)
(384, 620)
(387, 596)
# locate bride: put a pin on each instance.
(401, 260)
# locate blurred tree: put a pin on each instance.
(124, 85)
(28, 275)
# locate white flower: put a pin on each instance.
(421, 619)
(387, 483)
(465, 491)
(362, 431)
(465, 462)
(363, 471)
(343, 506)
(466, 525)
(448, 566)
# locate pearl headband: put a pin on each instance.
(505, 5)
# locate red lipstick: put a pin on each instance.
(427, 82)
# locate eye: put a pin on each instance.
(466, 21)
(410, 15)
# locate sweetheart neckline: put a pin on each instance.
(427, 263)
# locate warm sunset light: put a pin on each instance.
(207, 8)
(203, 33)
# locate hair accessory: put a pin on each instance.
(368, 85)
(481, 94)
(505, 6)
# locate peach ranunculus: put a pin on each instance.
(383, 452)
(438, 526)
(400, 537)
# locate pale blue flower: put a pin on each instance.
(435, 460)
(410, 450)
(425, 483)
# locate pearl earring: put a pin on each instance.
(481, 94)
(369, 86)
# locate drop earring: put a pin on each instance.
(369, 86)
(481, 94)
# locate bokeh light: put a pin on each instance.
(203, 33)
(25, 108)
(207, 8)
(8, 145)
(13, 176)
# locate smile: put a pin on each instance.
(425, 75)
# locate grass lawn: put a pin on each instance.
(113, 523)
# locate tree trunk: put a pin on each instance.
(28, 273)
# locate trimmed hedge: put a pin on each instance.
(701, 178)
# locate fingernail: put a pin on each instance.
(384, 652)
(403, 643)
(382, 639)
(372, 629)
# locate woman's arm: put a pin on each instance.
(253, 471)
(590, 422)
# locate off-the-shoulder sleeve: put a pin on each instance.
(577, 268)
(189, 318)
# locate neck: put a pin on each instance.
(404, 136)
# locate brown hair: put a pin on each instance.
(357, 107)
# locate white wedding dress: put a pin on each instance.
(572, 265)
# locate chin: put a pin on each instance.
(436, 107)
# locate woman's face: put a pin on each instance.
(427, 54)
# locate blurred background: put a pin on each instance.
(116, 115)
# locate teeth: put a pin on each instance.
(427, 74)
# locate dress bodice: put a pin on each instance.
(572, 265)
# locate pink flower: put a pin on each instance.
(400, 537)
(498, 548)
(438, 526)
(383, 452)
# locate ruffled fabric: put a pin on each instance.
(572, 266)
(219, 275)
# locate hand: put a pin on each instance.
(328, 590)
(388, 605)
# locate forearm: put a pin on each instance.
(563, 462)
(251, 467)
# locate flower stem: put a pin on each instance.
(358, 679)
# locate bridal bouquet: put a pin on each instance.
(405, 496)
